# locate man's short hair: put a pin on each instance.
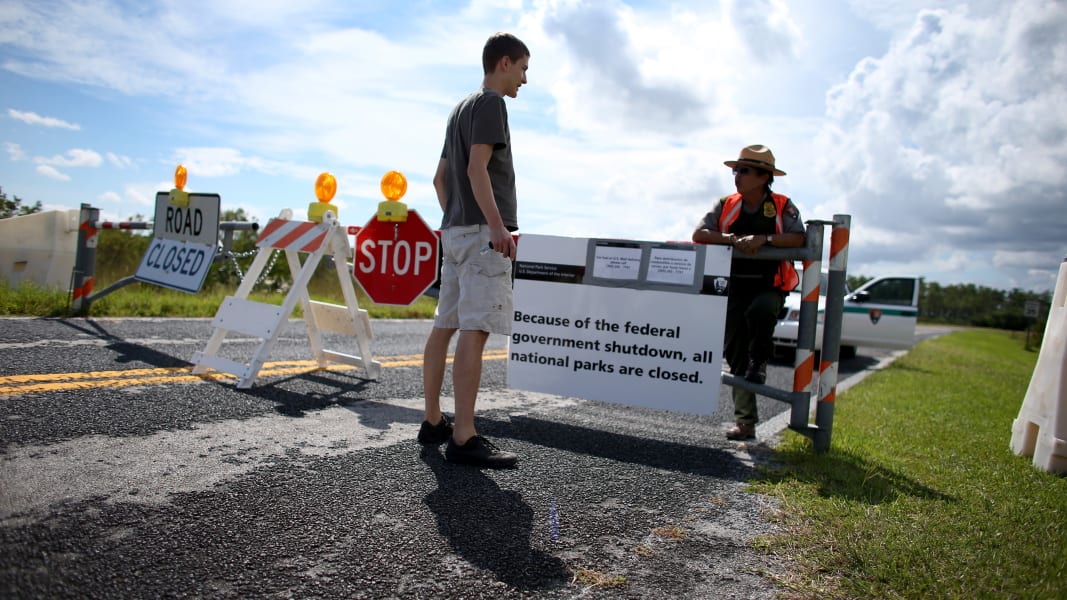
(500, 45)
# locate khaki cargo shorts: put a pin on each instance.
(475, 285)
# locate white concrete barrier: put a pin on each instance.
(39, 248)
(1040, 430)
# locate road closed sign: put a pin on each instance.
(176, 265)
(184, 243)
(629, 322)
(197, 223)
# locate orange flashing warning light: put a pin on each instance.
(180, 175)
(394, 185)
(178, 196)
(325, 189)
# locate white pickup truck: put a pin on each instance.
(882, 313)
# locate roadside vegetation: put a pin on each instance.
(920, 495)
(145, 300)
(119, 253)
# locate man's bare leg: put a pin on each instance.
(434, 358)
(466, 379)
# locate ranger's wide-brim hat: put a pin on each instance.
(757, 156)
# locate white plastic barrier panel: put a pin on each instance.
(1040, 430)
(629, 322)
(39, 247)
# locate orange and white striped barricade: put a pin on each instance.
(239, 314)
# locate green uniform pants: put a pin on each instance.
(750, 322)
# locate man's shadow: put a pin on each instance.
(488, 526)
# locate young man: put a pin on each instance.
(475, 183)
(748, 220)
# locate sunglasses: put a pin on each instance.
(747, 170)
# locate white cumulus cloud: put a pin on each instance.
(122, 162)
(76, 157)
(14, 151)
(31, 118)
(52, 173)
(957, 132)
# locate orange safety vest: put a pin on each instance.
(786, 278)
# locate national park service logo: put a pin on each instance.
(875, 315)
(720, 286)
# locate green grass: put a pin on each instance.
(920, 495)
(145, 300)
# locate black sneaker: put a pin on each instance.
(756, 372)
(435, 434)
(480, 452)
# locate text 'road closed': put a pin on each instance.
(175, 264)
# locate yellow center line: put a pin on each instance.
(17, 385)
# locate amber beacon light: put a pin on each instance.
(325, 189)
(178, 195)
(394, 186)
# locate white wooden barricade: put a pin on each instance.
(238, 314)
(1040, 430)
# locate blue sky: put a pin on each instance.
(939, 126)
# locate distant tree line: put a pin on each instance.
(14, 207)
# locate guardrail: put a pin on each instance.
(82, 277)
(804, 366)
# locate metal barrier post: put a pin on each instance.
(81, 284)
(831, 339)
(804, 363)
(800, 397)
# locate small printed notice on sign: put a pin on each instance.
(669, 265)
(617, 261)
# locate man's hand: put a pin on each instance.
(502, 241)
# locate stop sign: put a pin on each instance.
(395, 262)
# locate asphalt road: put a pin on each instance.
(124, 476)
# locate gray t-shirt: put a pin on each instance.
(480, 118)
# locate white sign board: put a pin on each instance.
(198, 222)
(184, 243)
(177, 265)
(637, 323)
